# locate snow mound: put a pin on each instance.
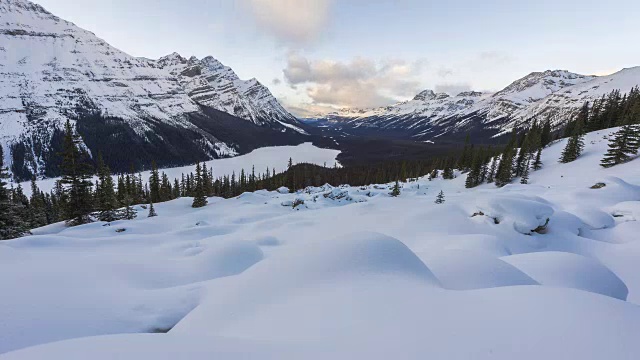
(478, 242)
(362, 255)
(525, 214)
(569, 270)
(466, 270)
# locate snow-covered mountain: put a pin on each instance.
(555, 94)
(566, 102)
(213, 84)
(51, 70)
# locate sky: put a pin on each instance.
(320, 55)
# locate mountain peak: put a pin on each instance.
(171, 60)
(22, 6)
(428, 95)
(537, 85)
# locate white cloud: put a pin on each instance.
(359, 83)
(452, 89)
(291, 21)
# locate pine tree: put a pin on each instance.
(395, 191)
(76, 179)
(199, 197)
(622, 146)
(504, 173)
(537, 163)
(447, 173)
(152, 211)
(492, 170)
(575, 144)
(474, 177)
(37, 211)
(12, 221)
(107, 202)
(464, 163)
(545, 135)
(154, 183)
(129, 213)
(525, 174)
(440, 198)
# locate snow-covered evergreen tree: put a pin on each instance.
(525, 174)
(76, 179)
(106, 199)
(537, 163)
(622, 146)
(199, 196)
(152, 210)
(12, 221)
(440, 198)
(575, 144)
(395, 191)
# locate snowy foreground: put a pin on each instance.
(350, 274)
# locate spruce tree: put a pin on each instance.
(37, 211)
(525, 174)
(154, 183)
(199, 197)
(537, 163)
(76, 179)
(152, 211)
(504, 173)
(107, 201)
(129, 213)
(492, 170)
(395, 191)
(575, 144)
(545, 135)
(622, 146)
(440, 198)
(12, 221)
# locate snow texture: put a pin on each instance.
(350, 274)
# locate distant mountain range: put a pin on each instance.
(555, 95)
(173, 110)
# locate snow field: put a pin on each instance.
(351, 273)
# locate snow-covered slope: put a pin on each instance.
(52, 70)
(350, 274)
(557, 94)
(210, 83)
(564, 103)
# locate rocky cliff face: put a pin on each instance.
(210, 83)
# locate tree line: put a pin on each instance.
(77, 199)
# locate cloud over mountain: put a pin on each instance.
(361, 82)
(291, 21)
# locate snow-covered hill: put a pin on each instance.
(556, 94)
(52, 70)
(351, 273)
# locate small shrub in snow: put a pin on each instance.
(440, 198)
(121, 230)
(297, 202)
(542, 229)
(599, 185)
